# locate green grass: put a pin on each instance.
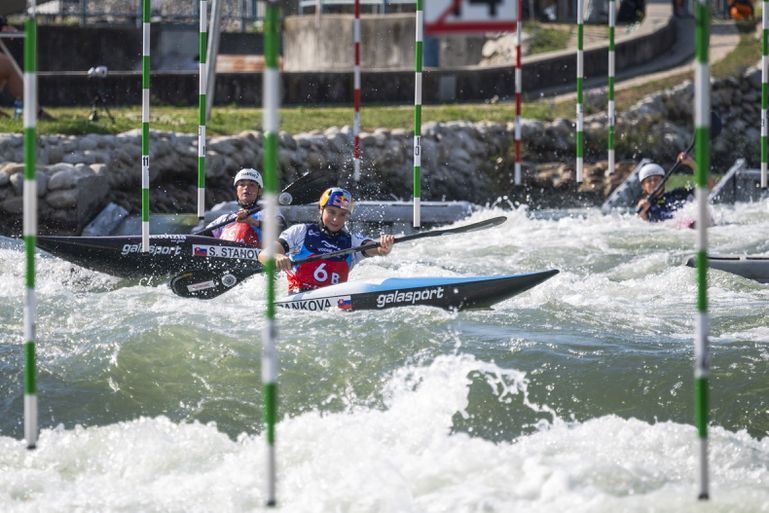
(232, 120)
(547, 39)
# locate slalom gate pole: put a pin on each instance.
(202, 86)
(271, 124)
(417, 175)
(518, 89)
(611, 115)
(702, 153)
(580, 77)
(30, 225)
(356, 93)
(145, 125)
(764, 89)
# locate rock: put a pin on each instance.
(14, 206)
(64, 198)
(65, 177)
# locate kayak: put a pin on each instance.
(447, 293)
(753, 267)
(122, 256)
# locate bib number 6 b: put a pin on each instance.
(321, 275)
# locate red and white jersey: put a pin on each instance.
(304, 240)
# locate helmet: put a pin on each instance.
(336, 197)
(650, 169)
(248, 173)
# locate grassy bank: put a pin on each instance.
(233, 119)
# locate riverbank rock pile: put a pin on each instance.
(78, 176)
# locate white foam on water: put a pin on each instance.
(404, 457)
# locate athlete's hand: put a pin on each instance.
(644, 205)
(385, 245)
(244, 217)
(283, 263)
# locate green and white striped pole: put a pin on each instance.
(580, 77)
(417, 175)
(611, 117)
(30, 225)
(764, 89)
(145, 125)
(271, 122)
(702, 152)
(202, 71)
(518, 90)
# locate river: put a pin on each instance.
(576, 395)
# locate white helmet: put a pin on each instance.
(249, 173)
(650, 169)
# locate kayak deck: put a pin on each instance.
(122, 256)
(752, 267)
(446, 293)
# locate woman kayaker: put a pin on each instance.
(663, 206)
(246, 228)
(325, 236)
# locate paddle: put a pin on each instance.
(303, 187)
(715, 129)
(207, 284)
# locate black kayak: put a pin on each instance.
(122, 256)
(441, 292)
(753, 267)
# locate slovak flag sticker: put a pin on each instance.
(344, 303)
(199, 251)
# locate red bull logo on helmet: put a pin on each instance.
(336, 197)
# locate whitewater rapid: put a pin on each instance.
(575, 395)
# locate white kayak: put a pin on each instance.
(447, 293)
(753, 267)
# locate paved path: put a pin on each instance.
(724, 37)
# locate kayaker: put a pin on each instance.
(246, 228)
(663, 206)
(325, 236)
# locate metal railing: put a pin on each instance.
(236, 14)
(376, 6)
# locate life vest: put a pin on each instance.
(243, 233)
(320, 273)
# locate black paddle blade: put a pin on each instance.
(306, 189)
(205, 284)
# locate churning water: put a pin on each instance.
(576, 395)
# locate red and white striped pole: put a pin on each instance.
(356, 93)
(518, 89)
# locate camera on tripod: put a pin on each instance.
(98, 102)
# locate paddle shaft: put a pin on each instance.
(488, 223)
(181, 284)
(227, 221)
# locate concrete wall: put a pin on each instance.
(173, 47)
(387, 42)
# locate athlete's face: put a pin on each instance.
(650, 183)
(334, 217)
(247, 192)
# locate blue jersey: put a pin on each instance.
(665, 206)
